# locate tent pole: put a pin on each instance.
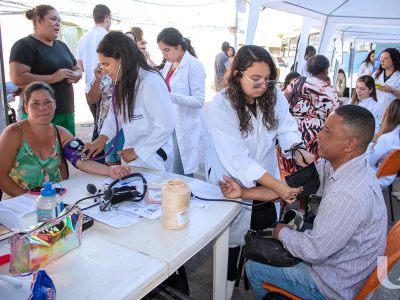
(3, 105)
(254, 12)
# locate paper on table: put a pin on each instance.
(22, 205)
(10, 218)
(114, 217)
(149, 211)
(204, 190)
(5, 232)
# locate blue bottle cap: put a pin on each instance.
(47, 190)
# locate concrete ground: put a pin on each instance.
(199, 267)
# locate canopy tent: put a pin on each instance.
(366, 20)
(363, 20)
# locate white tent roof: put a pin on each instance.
(361, 19)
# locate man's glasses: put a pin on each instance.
(260, 83)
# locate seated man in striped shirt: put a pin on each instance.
(349, 231)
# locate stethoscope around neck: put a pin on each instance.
(116, 123)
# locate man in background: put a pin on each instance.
(302, 69)
(220, 68)
(86, 54)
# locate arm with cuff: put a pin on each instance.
(72, 147)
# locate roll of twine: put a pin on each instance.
(175, 198)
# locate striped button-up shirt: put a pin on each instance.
(349, 230)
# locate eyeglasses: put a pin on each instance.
(260, 83)
(38, 105)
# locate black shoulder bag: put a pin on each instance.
(260, 245)
(12, 116)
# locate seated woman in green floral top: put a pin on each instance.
(31, 149)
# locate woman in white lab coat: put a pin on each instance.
(143, 105)
(365, 96)
(367, 65)
(388, 74)
(245, 121)
(185, 77)
(386, 140)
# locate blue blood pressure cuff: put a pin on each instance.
(72, 151)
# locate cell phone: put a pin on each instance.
(87, 221)
(36, 190)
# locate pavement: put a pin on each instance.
(200, 267)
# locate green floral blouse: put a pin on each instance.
(30, 170)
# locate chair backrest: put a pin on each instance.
(390, 164)
(392, 252)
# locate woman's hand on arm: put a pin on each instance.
(95, 147)
(281, 188)
(94, 167)
(10, 141)
(230, 188)
(118, 171)
(128, 154)
(75, 74)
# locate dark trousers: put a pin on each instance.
(262, 217)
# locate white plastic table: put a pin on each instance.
(129, 262)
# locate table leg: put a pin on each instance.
(220, 265)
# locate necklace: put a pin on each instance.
(42, 40)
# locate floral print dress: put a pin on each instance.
(310, 106)
(30, 170)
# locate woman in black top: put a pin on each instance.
(41, 57)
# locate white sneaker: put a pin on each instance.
(229, 289)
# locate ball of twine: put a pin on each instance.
(175, 198)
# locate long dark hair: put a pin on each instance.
(367, 60)
(172, 37)
(244, 58)
(395, 56)
(118, 46)
(370, 83)
(391, 118)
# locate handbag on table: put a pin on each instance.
(47, 241)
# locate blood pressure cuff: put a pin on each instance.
(72, 151)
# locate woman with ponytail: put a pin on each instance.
(185, 77)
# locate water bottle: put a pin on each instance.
(48, 203)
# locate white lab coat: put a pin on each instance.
(384, 99)
(188, 96)
(151, 126)
(377, 152)
(302, 69)
(86, 52)
(365, 69)
(246, 158)
(376, 110)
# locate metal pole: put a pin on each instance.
(3, 105)
(351, 66)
